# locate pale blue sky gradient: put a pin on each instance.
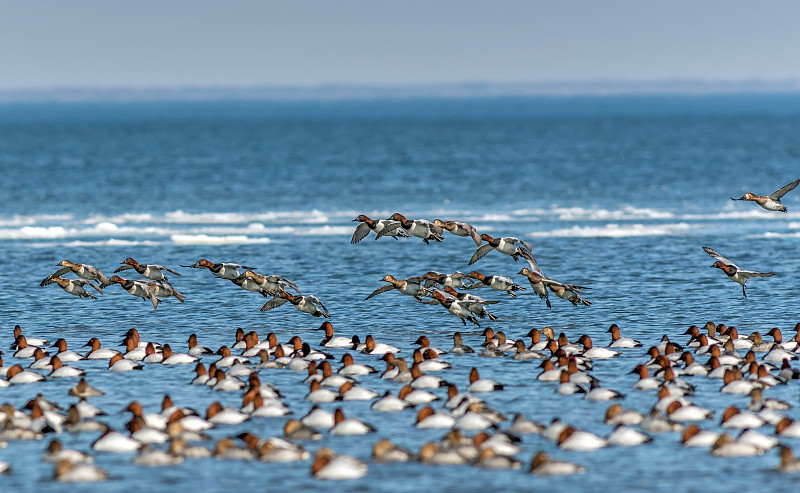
(107, 44)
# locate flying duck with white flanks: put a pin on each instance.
(459, 229)
(84, 271)
(72, 286)
(498, 283)
(307, 304)
(415, 227)
(771, 202)
(454, 280)
(137, 288)
(166, 290)
(367, 225)
(454, 306)
(224, 270)
(733, 272)
(413, 286)
(475, 304)
(150, 271)
(507, 245)
(272, 285)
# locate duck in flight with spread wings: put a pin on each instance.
(733, 272)
(771, 202)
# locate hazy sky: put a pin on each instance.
(107, 43)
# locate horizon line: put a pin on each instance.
(366, 92)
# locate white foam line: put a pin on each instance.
(614, 231)
(216, 240)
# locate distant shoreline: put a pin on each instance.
(353, 92)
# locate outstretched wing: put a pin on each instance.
(387, 229)
(719, 257)
(522, 242)
(161, 267)
(123, 267)
(532, 262)
(95, 287)
(360, 233)
(747, 274)
(316, 301)
(49, 279)
(777, 194)
(380, 290)
(273, 303)
(480, 253)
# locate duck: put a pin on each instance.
(24, 350)
(223, 270)
(64, 354)
(385, 451)
(32, 341)
(349, 426)
(414, 396)
(147, 435)
(370, 225)
(523, 353)
(165, 291)
(498, 283)
(617, 415)
(140, 289)
(307, 304)
(572, 439)
(318, 418)
(543, 465)
(170, 358)
(328, 465)
(537, 279)
(454, 307)
(112, 441)
(377, 348)
(771, 202)
(570, 293)
(726, 446)
(460, 229)
(350, 368)
(150, 271)
(473, 303)
(84, 271)
(478, 384)
(61, 371)
(83, 390)
(693, 436)
(788, 428)
(420, 381)
(432, 453)
(413, 286)
(226, 449)
(425, 344)
(197, 350)
(389, 403)
(595, 353)
(317, 394)
(56, 452)
(677, 411)
(508, 245)
(118, 363)
(733, 272)
(98, 352)
(788, 463)
(625, 436)
(16, 375)
(68, 471)
(270, 285)
(428, 418)
(734, 418)
(459, 348)
(617, 341)
(351, 392)
(330, 341)
(429, 361)
(73, 286)
(520, 425)
(414, 227)
(454, 280)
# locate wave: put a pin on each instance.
(216, 240)
(101, 243)
(615, 231)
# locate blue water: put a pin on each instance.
(618, 194)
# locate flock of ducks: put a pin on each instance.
(461, 426)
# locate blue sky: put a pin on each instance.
(106, 44)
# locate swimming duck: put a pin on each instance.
(726, 446)
(617, 341)
(84, 271)
(72, 286)
(386, 451)
(415, 227)
(625, 436)
(56, 452)
(224, 270)
(543, 465)
(306, 304)
(507, 245)
(733, 272)
(68, 471)
(367, 225)
(460, 229)
(458, 345)
(329, 465)
(82, 389)
(693, 436)
(349, 426)
(150, 271)
(771, 202)
(139, 289)
(478, 384)
(572, 439)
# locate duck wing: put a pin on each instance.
(777, 194)
(380, 290)
(751, 273)
(122, 268)
(387, 229)
(92, 285)
(473, 233)
(719, 257)
(532, 262)
(480, 253)
(360, 233)
(161, 267)
(273, 303)
(316, 301)
(49, 279)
